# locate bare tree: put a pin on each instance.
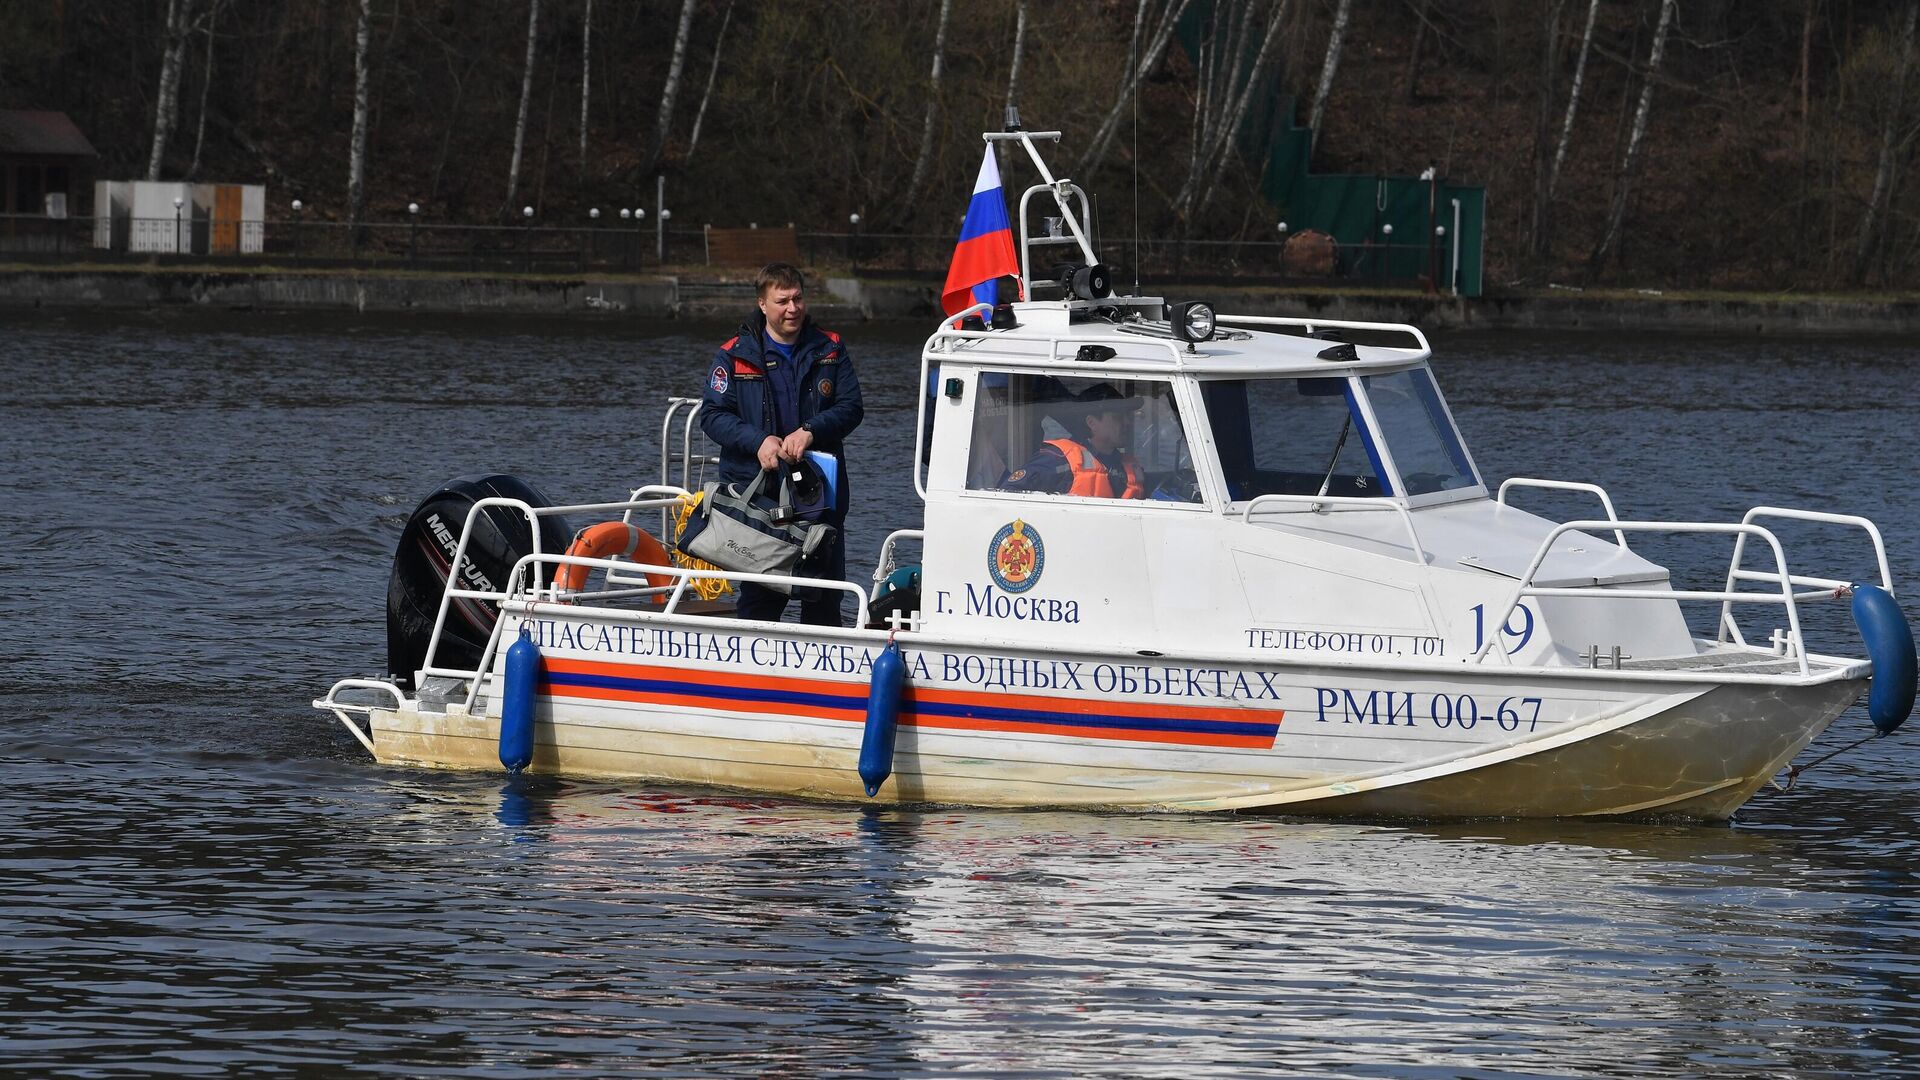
(1623, 182)
(1136, 71)
(357, 148)
(1019, 46)
(713, 73)
(1335, 39)
(1573, 99)
(1894, 142)
(924, 158)
(657, 149)
(526, 96)
(206, 83)
(1228, 106)
(586, 78)
(167, 104)
(1543, 128)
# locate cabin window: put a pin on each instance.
(1413, 422)
(1030, 430)
(1291, 437)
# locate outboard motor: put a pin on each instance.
(420, 565)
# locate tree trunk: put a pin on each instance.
(1892, 147)
(586, 79)
(357, 149)
(166, 107)
(1623, 184)
(924, 158)
(1019, 47)
(206, 82)
(1235, 112)
(1543, 130)
(657, 150)
(1573, 99)
(526, 97)
(1419, 43)
(713, 73)
(1335, 39)
(1163, 33)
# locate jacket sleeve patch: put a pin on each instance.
(719, 379)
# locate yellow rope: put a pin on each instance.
(707, 588)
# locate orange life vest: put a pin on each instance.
(1090, 478)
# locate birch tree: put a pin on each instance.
(1138, 67)
(1573, 99)
(357, 146)
(713, 74)
(166, 106)
(1623, 182)
(1893, 146)
(1019, 46)
(924, 158)
(1335, 39)
(657, 149)
(526, 96)
(1230, 98)
(206, 83)
(586, 78)
(1543, 127)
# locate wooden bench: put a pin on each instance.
(752, 247)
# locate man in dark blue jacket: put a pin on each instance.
(780, 387)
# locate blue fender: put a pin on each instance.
(1889, 641)
(883, 714)
(516, 703)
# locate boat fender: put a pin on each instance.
(883, 714)
(516, 703)
(607, 540)
(1889, 641)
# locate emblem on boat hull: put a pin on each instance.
(1015, 556)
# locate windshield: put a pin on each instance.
(1116, 438)
(1291, 437)
(1426, 450)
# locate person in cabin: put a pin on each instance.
(780, 387)
(1093, 461)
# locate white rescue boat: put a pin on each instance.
(1318, 606)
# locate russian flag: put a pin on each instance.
(985, 251)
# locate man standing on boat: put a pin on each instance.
(1094, 462)
(780, 387)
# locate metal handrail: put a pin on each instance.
(1606, 503)
(340, 709)
(1313, 325)
(1314, 502)
(517, 590)
(1728, 598)
(1736, 574)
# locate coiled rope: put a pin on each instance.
(707, 588)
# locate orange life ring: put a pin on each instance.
(606, 540)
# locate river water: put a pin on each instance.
(204, 876)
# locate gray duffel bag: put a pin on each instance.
(737, 528)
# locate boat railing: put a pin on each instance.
(1820, 587)
(530, 568)
(890, 555)
(456, 569)
(1314, 326)
(340, 708)
(1793, 645)
(1345, 503)
(1606, 502)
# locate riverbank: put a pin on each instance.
(847, 298)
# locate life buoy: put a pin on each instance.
(606, 540)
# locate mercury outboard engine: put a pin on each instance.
(420, 564)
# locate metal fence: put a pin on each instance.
(533, 248)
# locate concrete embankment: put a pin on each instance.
(848, 298)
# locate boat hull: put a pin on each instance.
(1316, 741)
